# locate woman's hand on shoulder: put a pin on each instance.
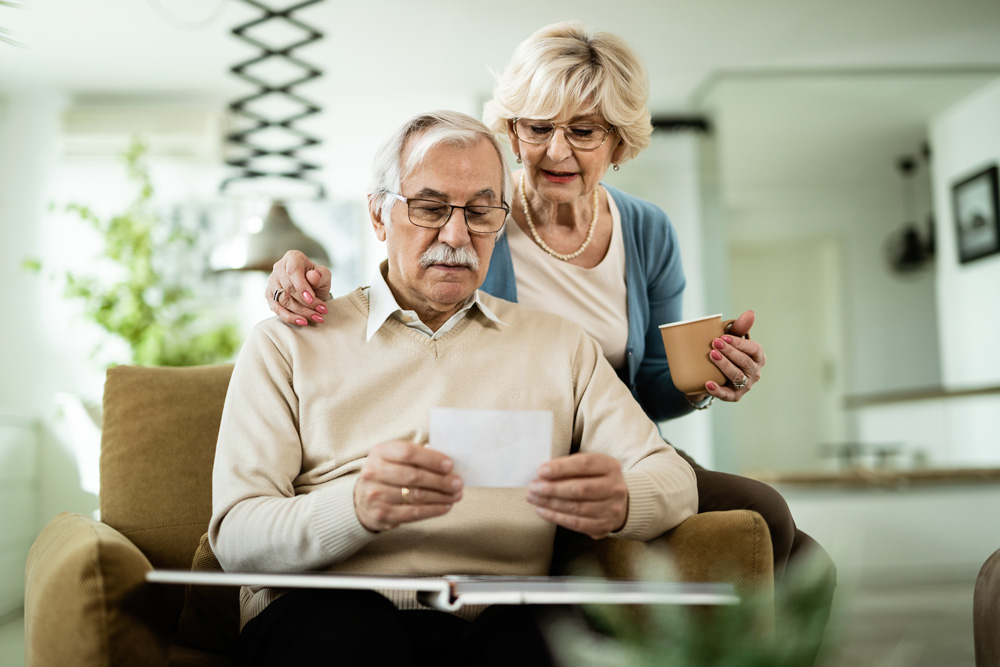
(740, 360)
(297, 288)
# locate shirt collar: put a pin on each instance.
(382, 304)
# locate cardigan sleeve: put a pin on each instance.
(664, 285)
(655, 282)
(661, 485)
(258, 522)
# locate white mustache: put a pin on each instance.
(442, 253)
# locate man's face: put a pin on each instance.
(461, 176)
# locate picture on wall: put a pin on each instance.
(977, 221)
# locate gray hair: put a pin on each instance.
(564, 68)
(430, 129)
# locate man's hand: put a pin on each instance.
(582, 492)
(301, 287)
(402, 482)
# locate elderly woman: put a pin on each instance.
(573, 104)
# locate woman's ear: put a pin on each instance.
(515, 145)
(618, 152)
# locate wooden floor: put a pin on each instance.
(929, 625)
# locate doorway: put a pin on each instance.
(794, 289)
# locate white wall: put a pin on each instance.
(940, 531)
(966, 138)
(19, 479)
(955, 431)
(41, 351)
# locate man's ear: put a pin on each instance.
(375, 212)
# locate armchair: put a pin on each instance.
(86, 598)
(986, 613)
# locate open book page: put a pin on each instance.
(450, 593)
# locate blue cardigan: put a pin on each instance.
(654, 280)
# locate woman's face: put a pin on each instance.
(559, 172)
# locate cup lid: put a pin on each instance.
(697, 319)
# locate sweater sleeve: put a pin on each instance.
(661, 485)
(258, 522)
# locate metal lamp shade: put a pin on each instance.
(260, 250)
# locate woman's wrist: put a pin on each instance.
(700, 401)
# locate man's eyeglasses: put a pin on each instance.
(585, 136)
(432, 214)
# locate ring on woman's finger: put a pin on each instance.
(742, 383)
(405, 493)
(277, 294)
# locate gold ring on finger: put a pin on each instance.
(405, 493)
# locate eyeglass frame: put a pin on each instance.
(607, 133)
(406, 200)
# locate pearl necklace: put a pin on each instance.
(545, 246)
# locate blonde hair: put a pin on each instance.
(564, 68)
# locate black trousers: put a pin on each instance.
(332, 627)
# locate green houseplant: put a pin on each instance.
(5, 34)
(128, 292)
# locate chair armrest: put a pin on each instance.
(86, 601)
(986, 612)
(731, 547)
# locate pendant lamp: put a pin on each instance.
(259, 250)
(267, 141)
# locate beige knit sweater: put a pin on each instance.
(306, 405)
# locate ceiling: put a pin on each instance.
(184, 46)
(786, 80)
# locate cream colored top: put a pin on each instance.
(305, 406)
(594, 298)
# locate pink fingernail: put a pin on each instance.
(716, 355)
(317, 318)
(727, 339)
(321, 308)
(711, 385)
(718, 344)
(301, 322)
(308, 297)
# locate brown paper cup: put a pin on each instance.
(688, 345)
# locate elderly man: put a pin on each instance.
(317, 467)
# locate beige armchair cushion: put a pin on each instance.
(89, 601)
(157, 452)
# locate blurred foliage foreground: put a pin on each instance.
(724, 636)
(128, 293)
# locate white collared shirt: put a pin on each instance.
(382, 305)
